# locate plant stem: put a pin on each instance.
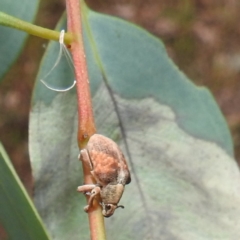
(86, 125)
(9, 21)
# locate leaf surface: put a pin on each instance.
(11, 40)
(17, 212)
(185, 184)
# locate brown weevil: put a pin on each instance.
(109, 169)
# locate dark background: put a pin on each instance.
(201, 36)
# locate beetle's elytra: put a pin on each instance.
(109, 169)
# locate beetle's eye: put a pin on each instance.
(108, 210)
(108, 207)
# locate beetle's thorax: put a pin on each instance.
(112, 193)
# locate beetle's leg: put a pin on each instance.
(96, 178)
(94, 192)
(84, 157)
(86, 188)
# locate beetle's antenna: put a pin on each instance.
(62, 50)
(120, 206)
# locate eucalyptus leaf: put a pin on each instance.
(11, 40)
(185, 183)
(17, 212)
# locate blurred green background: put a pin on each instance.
(202, 37)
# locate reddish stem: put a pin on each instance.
(86, 125)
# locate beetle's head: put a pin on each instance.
(108, 209)
(110, 195)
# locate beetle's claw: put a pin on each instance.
(86, 208)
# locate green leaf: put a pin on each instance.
(17, 213)
(185, 184)
(53, 150)
(11, 40)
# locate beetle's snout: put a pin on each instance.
(109, 209)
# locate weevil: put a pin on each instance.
(110, 171)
